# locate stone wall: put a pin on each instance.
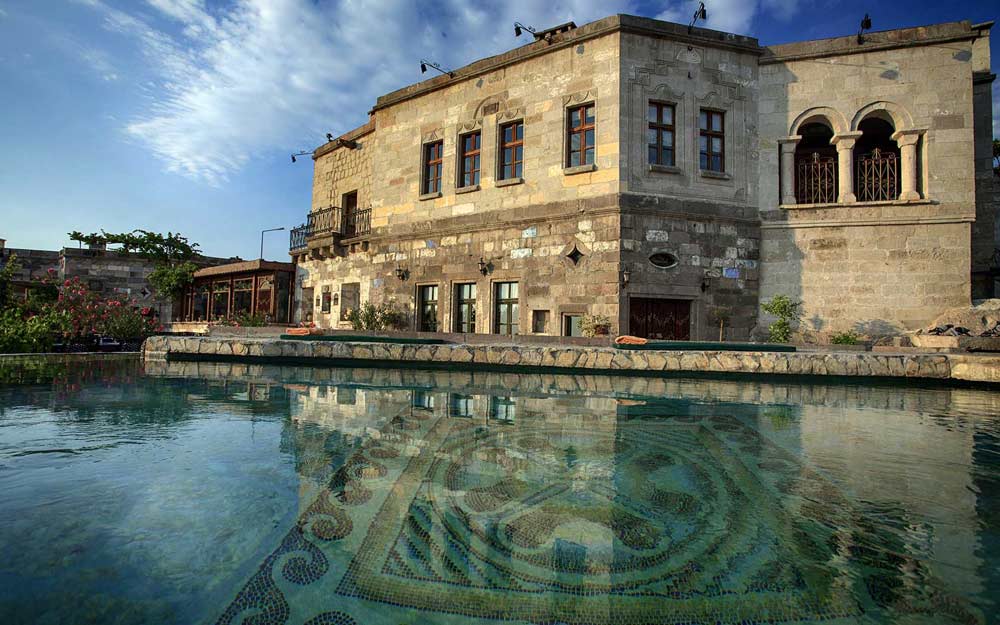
(338, 171)
(577, 359)
(717, 251)
(874, 267)
(522, 245)
(708, 221)
(539, 91)
(873, 280)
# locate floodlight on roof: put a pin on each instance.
(424, 64)
(866, 24)
(699, 14)
(519, 28)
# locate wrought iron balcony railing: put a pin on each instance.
(816, 180)
(325, 221)
(877, 177)
(332, 220)
(357, 222)
(297, 238)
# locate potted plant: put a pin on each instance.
(595, 325)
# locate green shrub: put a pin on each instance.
(845, 338)
(245, 320)
(374, 318)
(122, 321)
(782, 307)
(23, 333)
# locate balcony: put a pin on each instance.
(330, 222)
(357, 222)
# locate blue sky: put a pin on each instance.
(181, 114)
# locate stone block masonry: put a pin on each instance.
(571, 359)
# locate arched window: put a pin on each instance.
(815, 165)
(876, 161)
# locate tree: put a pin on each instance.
(7, 271)
(786, 310)
(172, 255)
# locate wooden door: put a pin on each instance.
(652, 318)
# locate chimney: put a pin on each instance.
(3, 244)
(97, 246)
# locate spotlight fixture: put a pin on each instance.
(424, 64)
(302, 153)
(329, 137)
(519, 28)
(484, 267)
(699, 14)
(866, 24)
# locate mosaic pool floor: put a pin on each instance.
(494, 498)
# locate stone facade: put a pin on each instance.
(582, 240)
(878, 266)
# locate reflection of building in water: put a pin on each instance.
(909, 476)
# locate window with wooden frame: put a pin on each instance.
(465, 307)
(580, 136)
(712, 140)
(468, 159)
(433, 162)
(660, 135)
(511, 162)
(428, 302)
(506, 310)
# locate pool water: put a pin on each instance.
(224, 493)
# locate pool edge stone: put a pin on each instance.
(584, 359)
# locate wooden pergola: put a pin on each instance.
(248, 287)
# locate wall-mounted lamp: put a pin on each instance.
(484, 267)
(302, 153)
(519, 28)
(699, 14)
(626, 276)
(705, 284)
(424, 64)
(400, 272)
(866, 24)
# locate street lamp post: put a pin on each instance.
(262, 239)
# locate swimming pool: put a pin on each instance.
(207, 493)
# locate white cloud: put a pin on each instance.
(733, 16)
(266, 75)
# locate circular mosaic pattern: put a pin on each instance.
(547, 507)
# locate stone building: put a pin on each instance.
(667, 178)
(105, 272)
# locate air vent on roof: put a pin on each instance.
(557, 30)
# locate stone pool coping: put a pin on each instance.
(579, 359)
(63, 356)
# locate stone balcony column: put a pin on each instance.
(907, 142)
(788, 168)
(845, 166)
